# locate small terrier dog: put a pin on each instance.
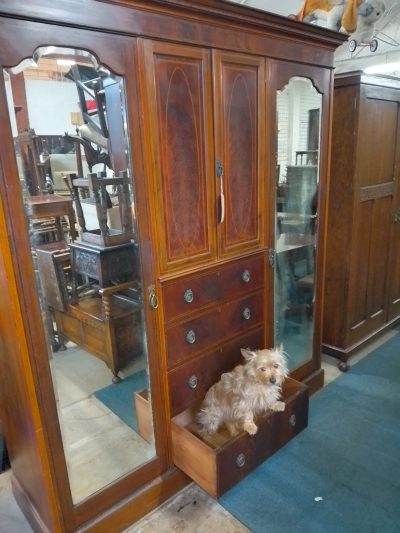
(245, 392)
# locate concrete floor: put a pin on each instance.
(181, 513)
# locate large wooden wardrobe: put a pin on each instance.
(196, 84)
(362, 297)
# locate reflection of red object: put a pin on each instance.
(91, 105)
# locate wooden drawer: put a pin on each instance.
(189, 383)
(220, 463)
(188, 338)
(192, 292)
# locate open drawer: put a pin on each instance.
(219, 462)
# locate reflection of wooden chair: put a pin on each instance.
(103, 322)
(35, 170)
(103, 236)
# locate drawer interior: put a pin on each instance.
(218, 462)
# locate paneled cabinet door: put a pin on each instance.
(378, 125)
(394, 267)
(178, 82)
(239, 122)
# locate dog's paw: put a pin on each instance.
(278, 406)
(250, 427)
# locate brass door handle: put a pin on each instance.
(220, 174)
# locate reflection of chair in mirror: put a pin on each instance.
(103, 253)
(306, 157)
(105, 322)
(34, 164)
(97, 185)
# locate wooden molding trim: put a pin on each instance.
(139, 504)
(211, 23)
(315, 381)
(28, 508)
(344, 353)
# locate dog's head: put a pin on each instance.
(266, 366)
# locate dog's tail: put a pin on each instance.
(209, 421)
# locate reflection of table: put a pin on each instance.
(285, 244)
(292, 248)
(296, 222)
(53, 205)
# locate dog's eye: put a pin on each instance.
(276, 365)
(263, 369)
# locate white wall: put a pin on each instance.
(293, 105)
(10, 102)
(281, 7)
(49, 106)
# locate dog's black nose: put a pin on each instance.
(272, 379)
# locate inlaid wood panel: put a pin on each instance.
(239, 103)
(180, 86)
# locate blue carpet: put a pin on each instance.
(118, 397)
(349, 456)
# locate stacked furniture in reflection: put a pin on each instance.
(91, 285)
(295, 245)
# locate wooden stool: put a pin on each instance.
(53, 205)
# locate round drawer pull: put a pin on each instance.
(190, 337)
(192, 382)
(246, 276)
(292, 420)
(188, 296)
(240, 460)
(246, 314)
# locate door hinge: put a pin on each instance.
(218, 168)
(271, 257)
(153, 300)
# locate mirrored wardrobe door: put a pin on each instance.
(298, 108)
(69, 119)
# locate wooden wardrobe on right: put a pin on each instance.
(362, 291)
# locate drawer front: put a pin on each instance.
(189, 293)
(216, 466)
(274, 431)
(189, 383)
(191, 337)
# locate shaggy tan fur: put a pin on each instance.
(245, 392)
(348, 14)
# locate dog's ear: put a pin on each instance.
(248, 354)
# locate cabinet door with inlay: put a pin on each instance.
(239, 119)
(178, 86)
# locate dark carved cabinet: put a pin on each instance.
(362, 276)
(190, 98)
